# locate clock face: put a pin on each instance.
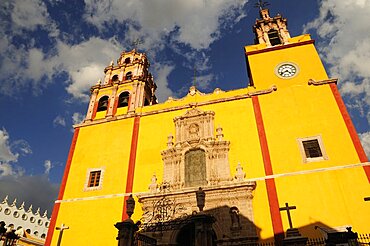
(286, 70)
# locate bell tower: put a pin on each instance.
(270, 31)
(127, 86)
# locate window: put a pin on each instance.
(16, 214)
(195, 168)
(123, 99)
(127, 60)
(129, 76)
(94, 179)
(274, 37)
(103, 103)
(312, 149)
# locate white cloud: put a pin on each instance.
(28, 14)
(9, 154)
(160, 23)
(85, 63)
(194, 23)
(6, 169)
(162, 72)
(47, 166)
(59, 121)
(6, 154)
(343, 27)
(365, 140)
(77, 118)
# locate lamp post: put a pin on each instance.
(127, 228)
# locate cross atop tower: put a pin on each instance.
(261, 4)
(136, 43)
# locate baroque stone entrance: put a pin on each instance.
(198, 156)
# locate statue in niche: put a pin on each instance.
(153, 187)
(235, 218)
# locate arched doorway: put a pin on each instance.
(186, 236)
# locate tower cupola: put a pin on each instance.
(126, 86)
(270, 30)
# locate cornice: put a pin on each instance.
(322, 82)
(181, 107)
(279, 47)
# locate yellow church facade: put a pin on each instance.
(285, 138)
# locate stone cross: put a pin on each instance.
(261, 4)
(136, 43)
(61, 229)
(288, 208)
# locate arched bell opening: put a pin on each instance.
(123, 99)
(103, 104)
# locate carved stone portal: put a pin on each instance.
(197, 157)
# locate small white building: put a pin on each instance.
(34, 224)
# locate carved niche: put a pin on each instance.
(197, 157)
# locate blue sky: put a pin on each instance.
(53, 51)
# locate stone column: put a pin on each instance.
(126, 232)
(203, 229)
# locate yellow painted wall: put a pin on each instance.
(104, 146)
(298, 110)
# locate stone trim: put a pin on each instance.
(86, 185)
(279, 47)
(322, 82)
(306, 159)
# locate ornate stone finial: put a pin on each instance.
(111, 63)
(130, 206)
(240, 174)
(37, 211)
(14, 203)
(5, 199)
(30, 209)
(45, 214)
(169, 141)
(192, 90)
(201, 198)
(153, 187)
(219, 134)
(98, 82)
(22, 206)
